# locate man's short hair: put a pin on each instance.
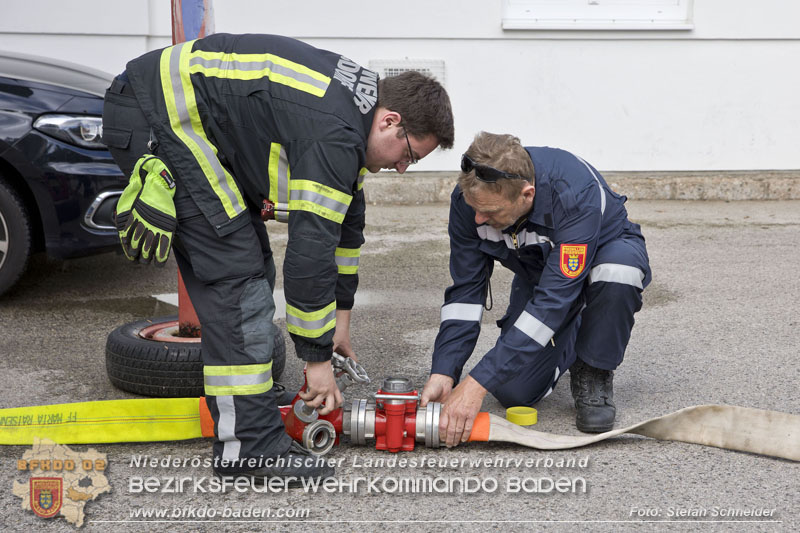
(503, 152)
(423, 105)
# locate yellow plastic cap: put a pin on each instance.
(521, 415)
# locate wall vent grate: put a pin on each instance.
(392, 67)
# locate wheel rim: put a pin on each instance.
(165, 331)
(3, 240)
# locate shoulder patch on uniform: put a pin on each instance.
(573, 259)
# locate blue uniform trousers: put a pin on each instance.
(599, 325)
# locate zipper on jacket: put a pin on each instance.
(514, 236)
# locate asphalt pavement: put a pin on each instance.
(719, 326)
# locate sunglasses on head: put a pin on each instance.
(485, 173)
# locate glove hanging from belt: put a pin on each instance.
(145, 216)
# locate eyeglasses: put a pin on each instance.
(411, 159)
(485, 173)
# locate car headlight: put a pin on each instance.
(79, 130)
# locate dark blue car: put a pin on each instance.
(58, 183)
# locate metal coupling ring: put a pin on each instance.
(304, 413)
(319, 437)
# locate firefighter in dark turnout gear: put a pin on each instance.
(246, 121)
(580, 267)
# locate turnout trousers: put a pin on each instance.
(229, 280)
(600, 322)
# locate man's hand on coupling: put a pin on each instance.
(321, 392)
(459, 411)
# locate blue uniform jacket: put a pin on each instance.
(574, 212)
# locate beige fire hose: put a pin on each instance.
(725, 426)
(161, 419)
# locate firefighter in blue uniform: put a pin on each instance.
(580, 267)
(232, 124)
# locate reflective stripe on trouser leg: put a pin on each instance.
(244, 382)
(538, 379)
(226, 427)
(225, 280)
(535, 381)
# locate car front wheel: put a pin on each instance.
(15, 237)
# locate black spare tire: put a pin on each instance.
(162, 368)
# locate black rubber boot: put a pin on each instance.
(593, 391)
(283, 396)
(294, 465)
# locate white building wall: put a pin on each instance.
(722, 96)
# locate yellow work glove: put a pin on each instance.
(145, 215)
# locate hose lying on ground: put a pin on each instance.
(771, 433)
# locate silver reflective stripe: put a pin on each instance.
(282, 205)
(534, 328)
(467, 312)
(555, 379)
(524, 237)
(310, 324)
(361, 175)
(602, 191)
(226, 428)
(614, 273)
(489, 233)
(257, 66)
(185, 125)
(319, 199)
(234, 381)
(282, 196)
(346, 261)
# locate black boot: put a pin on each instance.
(593, 391)
(294, 465)
(283, 396)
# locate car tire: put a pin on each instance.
(164, 369)
(15, 237)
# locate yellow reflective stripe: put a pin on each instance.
(239, 390)
(274, 160)
(311, 324)
(348, 252)
(347, 260)
(237, 379)
(361, 173)
(236, 370)
(324, 190)
(257, 66)
(279, 174)
(306, 195)
(179, 97)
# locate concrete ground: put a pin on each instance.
(718, 327)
